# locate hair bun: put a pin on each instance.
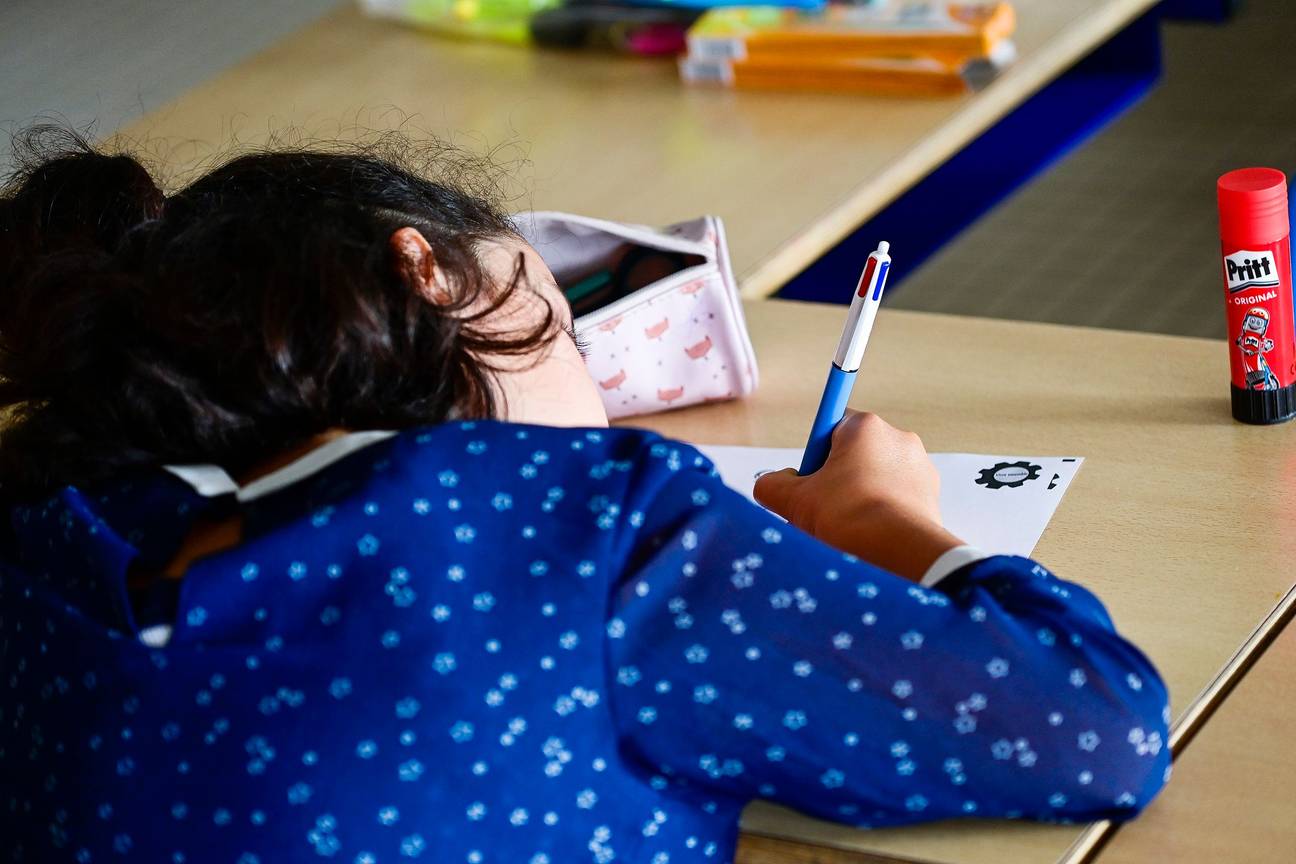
(63, 215)
(64, 194)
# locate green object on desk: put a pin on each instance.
(499, 20)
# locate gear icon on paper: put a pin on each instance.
(1012, 475)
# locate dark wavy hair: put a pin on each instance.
(246, 312)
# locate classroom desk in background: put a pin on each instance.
(1233, 797)
(622, 138)
(1181, 519)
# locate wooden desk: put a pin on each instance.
(1181, 519)
(622, 138)
(1233, 797)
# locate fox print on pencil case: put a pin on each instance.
(657, 330)
(614, 382)
(698, 350)
(669, 395)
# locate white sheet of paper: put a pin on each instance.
(1000, 504)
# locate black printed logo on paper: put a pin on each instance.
(1009, 475)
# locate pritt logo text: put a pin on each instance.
(1244, 269)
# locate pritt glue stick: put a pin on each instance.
(1254, 232)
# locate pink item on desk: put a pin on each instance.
(678, 341)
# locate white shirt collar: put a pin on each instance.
(212, 480)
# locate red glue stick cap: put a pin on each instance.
(1253, 206)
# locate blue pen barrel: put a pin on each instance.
(832, 407)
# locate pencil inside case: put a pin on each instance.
(622, 271)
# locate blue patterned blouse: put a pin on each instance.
(524, 645)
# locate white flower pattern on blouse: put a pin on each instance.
(489, 643)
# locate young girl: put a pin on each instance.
(316, 543)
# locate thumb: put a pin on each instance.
(775, 489)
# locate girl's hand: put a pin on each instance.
(876, 497)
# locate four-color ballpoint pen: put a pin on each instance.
(850, 352)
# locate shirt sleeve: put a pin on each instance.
(754, 660)
(949, 561)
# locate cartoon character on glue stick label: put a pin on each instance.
(1253, 344)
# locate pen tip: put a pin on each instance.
(884, 247)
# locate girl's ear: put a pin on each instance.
(417, 265)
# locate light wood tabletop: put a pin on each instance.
(622, 138)
(1181, 519)
(1234, 792)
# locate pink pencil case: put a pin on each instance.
(659, 308)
